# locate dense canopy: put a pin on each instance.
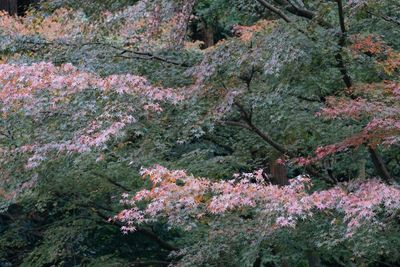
(200, 133)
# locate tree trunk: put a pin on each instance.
(208, 35)
(9, 6)
(380, 166)
(313, 259)
(278, 173)
(285, 263)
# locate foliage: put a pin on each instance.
(186, 201)
(93, 94)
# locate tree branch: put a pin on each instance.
(377, 160)
(278, 147)
(311, 15)
(111, 181)
(380, 166)
(162, 243)
(385, 18)
(149, 263)
(341, 17)
(343, 71)
(290, 7)
(150, 56)
(235, 123)
(342, 42)
(148, 233)
(139, 54)
(264, 136)
(274, 10)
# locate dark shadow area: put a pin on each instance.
(16, 7)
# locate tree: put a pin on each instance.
(309, 86)
(251, 213)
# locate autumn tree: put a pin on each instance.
(96, 97)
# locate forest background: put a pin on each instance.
(112, 110)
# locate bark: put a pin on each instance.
(342, 42)
(208, 35)
(9, 5)
(361, 170)
(257, 263)
(313, 259)
(284, 263)
(341, 17)
(148, 233)
(122, 52)
(278, 173)
(380, 166)
(296, 10)
(248, 124)
(274, 10)
(149, 263)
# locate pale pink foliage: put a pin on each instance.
(379, 104)
(63, 24)
(152, 24)
(180, 22)
(23, 82)
(42, 89)
(147, 25)
(181, 198)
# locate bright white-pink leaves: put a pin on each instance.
(180, 198)
(42, 90)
